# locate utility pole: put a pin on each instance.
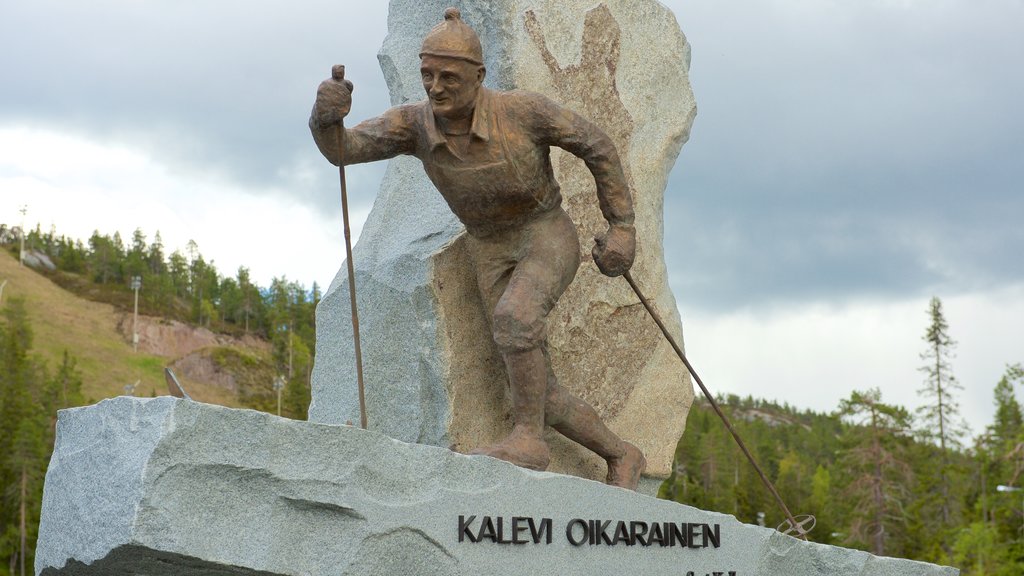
(21, 257)
(136, 284)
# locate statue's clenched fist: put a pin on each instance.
(614, 251)
(333, 98)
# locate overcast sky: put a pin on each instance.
(850, 159)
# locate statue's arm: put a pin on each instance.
(380, 138)
(559, 126)
(555, 125)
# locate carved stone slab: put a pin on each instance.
(169, 487)
(432, 372)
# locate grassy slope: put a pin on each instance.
(88, 331)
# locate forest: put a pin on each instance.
(875, 476)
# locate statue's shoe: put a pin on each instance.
(625, 471)
(520, 449)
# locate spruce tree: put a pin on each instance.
(25, 434)
(1009, 421)
(939, 418)
(1001, 457)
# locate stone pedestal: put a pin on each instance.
(167, 487)
(432, 372)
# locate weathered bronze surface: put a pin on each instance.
(488, 154)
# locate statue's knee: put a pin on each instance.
(516, 329)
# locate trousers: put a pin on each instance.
(521, 274)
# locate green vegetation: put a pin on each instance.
(875, 477)
(186, 288)
(30, 395)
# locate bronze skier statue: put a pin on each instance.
(487, 152)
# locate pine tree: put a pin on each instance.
(877, 472)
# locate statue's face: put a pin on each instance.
(451, 85)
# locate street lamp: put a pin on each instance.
(278, 386)
(21, 257)
(1002, 488)
(136, 284)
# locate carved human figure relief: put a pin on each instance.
(589, 85)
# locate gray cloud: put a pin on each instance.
(869, 149)
(841, 149)
(217, 87)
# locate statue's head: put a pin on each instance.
(452, 66)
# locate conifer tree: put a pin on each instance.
(939, 417)
(1001, 456)
(25, 434)
(1009, 420)
(877, 472)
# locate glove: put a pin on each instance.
(333, 99)
(614, 250)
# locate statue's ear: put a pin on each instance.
(481, 73)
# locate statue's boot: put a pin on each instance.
(525, 446)
(579, 422)
(624, 471)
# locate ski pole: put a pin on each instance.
(679, 352)
(338, 74)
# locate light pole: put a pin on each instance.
(21, 254)
(136, 284)
(278, 386)
(1002, 488)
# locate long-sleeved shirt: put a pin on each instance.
(503, 177)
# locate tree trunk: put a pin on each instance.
(878, 543)
(942, 439)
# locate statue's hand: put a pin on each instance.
(333, 98)
(614, 251)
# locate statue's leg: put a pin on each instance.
(521, 279)
(579, 422)
(525, 445)
(521, 274)
(505, 290)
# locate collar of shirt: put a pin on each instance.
(481, 127)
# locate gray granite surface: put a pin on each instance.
(165, 486)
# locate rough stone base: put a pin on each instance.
(164, 486)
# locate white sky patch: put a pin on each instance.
(79, 186)
(814, 356)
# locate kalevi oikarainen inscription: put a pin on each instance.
(588, 532)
